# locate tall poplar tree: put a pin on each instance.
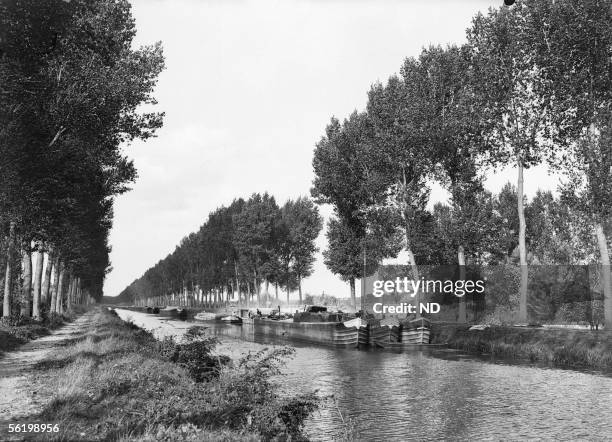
(253, 238)
(573, 42)
(346, 177)
(301, 225)
(517, 113)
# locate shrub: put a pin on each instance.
(501, 315)
(195, 355)
(54, 320)
(247, 396)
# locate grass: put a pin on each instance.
(579, 348)
(118, 383)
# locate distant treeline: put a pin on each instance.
(531, 86)
(70, 87)
(239, 248)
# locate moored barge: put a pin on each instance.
(326, 333)
(315, 325)
(174, 312)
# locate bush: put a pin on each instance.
(16, 320)
(195, 355)
(54, 320)
(247, 396)
(583, 313)
(501, 315)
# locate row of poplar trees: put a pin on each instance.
(532, 85)
(70, 88)
(240, 248)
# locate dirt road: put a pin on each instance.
(18, 399)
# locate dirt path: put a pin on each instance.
(17, 398)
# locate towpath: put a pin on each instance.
(18, 399)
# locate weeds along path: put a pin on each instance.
(17, 397)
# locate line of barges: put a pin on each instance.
(318, 326)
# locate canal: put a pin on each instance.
(426, 395)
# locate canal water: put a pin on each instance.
(426, 395)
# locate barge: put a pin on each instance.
(416, 331)
(174, 312)
(231, 319)
(316, 325)
(205, 316)
(327, 333)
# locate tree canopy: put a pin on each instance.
(239, 248)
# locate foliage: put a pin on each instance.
(237, 249)
(250, 388)
(582, 313)
(346, 179)
(71, 94)
(297, 230)
(195, 355)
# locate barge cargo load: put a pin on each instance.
(327, 333)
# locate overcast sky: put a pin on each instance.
(248, 89)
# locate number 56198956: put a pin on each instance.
(33, 428)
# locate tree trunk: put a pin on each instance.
(353, 295)
(276, 291)
(416, 277)
(26, 292)
(461, 260)
(8, 276)
(300, 288)
(606, 278)
(70, 293)
(237, 282)
(288, 294)
(46, 285)
(75, 298)
(411, 259)
(2, 281)
(59, 306)
(522, 247)
(55, 285)
(257, 290)
(38, 273)
(80, 292)
(6, 304)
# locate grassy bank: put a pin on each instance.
(18, 330)
(580, 348)
(118, 383)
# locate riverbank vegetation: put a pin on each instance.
(575, 348)
(71, 90)
(117, 382)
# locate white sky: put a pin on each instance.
(248, 89)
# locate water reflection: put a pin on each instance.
(428, 395)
